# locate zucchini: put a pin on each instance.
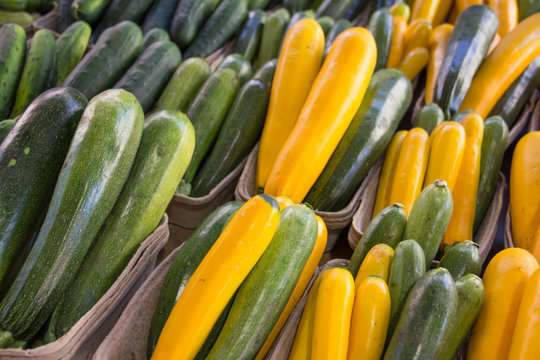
(326, 23)
(21, 18)
(160, 15)
(108, 60)
(240, 65)
(509, 106)
(184, 265)
(355, 9)
(167, 142)
(429, 116)
(308, 14)
(381, 26)
(408, 265)
(491, 158)
(39, 72)
(429, 218)
(70, 48)
(426, 319)
(385, 228)
(14, 5)
(470, 290)
(207, 113)
(12, 49)
(266, 72)
(188, 19)
(184, 85)
(334, 8)
(147, 77)
(462, 259)
(121, 10)
(259, 4)
(387, 3)
(527, 8)
(5, 128)
(30, 159)
(272, 34)
(239, 133)
(222, 24)
(460, 115)
(89, 10)
(338, 28)
(265, 292)
(296, 5)
(473, 32)
(154, 36)
(65, 15)
(247, 42)
(95, 169)
(386, 100)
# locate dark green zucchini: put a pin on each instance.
(384, 104)
(355, 9)
(266, 72)
(89, 10)
(65, 15)
(338, 28)
(70, 48)
(93, 174)
(188, 19)
(5, 128)
(272, 34)
(258, 4)
(12, 50)
(381, 25)
(154, 36)
(30, 159)
(247, 42)
(296, 17)
(326, 23)
(160, 15)
(334, 8)
(461, 259)
(296, 5)
(428, 117)
(121, 10)
(527, 8)
(240, 65)
(14, 5)
(378, 4)
(239, 133)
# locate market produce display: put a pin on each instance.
(410, 114)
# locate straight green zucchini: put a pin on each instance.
(258, 4)
(14, 5)
(386, 101)
(65, 15)
(12, 50)
(21, 18)
(153, 36)
(121, 10)
(462, 259)
(272, 34)
(160, 15)
(188, 19)
(334, 8)
(240, 65)
(94, 171)
(5, 128)
(247, 42)
(296, 5)
(89, 10)
(527, 8)
(31, 158)
(266, 72)
(338, 28)
(428, 117)
(355, 9)
(70, 49)
(381, 25)
(265, 292)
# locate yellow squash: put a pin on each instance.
(401, 9)
(496, 40)
(328, 111)
(217, 278)
(504, 281)
(507, 12)
(442, 12)
(462, 5)
(536, 245)
(525, 190)
(526, 337)
(505, 63)
(384, 188)
(369, 323)
(439, 41)
(425, 9)
(332, 322)
(298, 65)
(464, 193)
(301, 285)
(376, 263)
(284, 202)
(418, 35)
(414, 62)
(446, 153)
(411, 168)
(397, 45)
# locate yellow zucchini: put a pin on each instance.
(507, 12)
(414, 62)
(376, 263)
(283, 202)
(418, 35)
(397, 46)
(439, 41)
(425, 9)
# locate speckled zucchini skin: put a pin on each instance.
(12, 50)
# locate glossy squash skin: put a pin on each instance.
(425, 9)
(298, 65)
(438, 43)
(376, 263)
(328, 111)
(414, 62)
(507, 12)
(397, 46)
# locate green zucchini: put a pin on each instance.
(188, 19)
(408, 265)
(273, 31)
(429, 218)
(89, 10)
(184, 265)
(527, 8)
(30, 159)
(5, 128)
(326, 23)
(387, 3)
(381, 25)
(239, 133)
(121, 10)
(384, 104)
(160, 15)
(308, 14)
(462, 259)
(207, 112)
(426, 319)
(21, 18)
(65, 15)
(296, 5)
(355, 9)
(428, 117)
(491, 159)
(147, 77)
(222, 24)
(509, 105)
(334, 8)
(338, 28)
(153, 36)
(240, 65)
(473, 32)
(258, 4)
(14, 5)
(12, 49)
(70, 48)
(93, 174)
(249, 38)
(385, 228)
(265, 292)
(108, 60)
(39, 72)
(266, 72)
(470, 291)
(167, 143)
(184, 85)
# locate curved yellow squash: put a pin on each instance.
(526, 339)
(298, 65)
(397, 45)
(418, 35)
(442, 12)
(439, 41)
(425, 9)
(507, 12)
(505, 63)
(369, 323)
(330, 107)
(217, 278)
(376, 263)
(504, 281)
(414, 62)
(333, 311)
(525, 190)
